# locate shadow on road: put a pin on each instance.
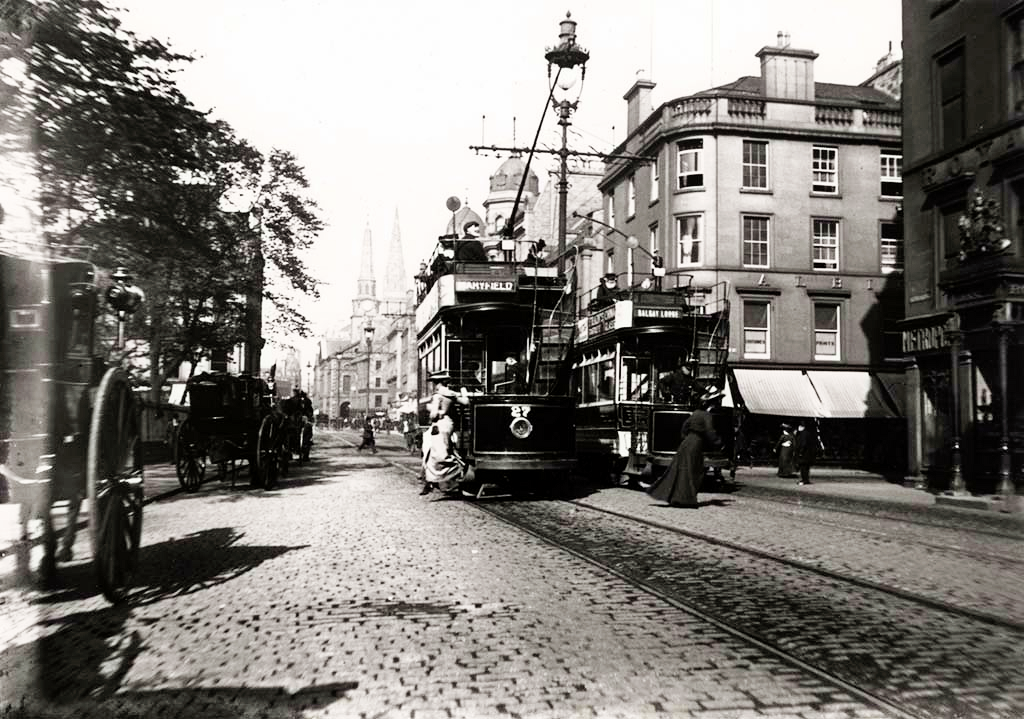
(84, 657)
(175, 567)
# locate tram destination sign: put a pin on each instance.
(658, 313)
(468, 284)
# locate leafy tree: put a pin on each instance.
(132, 173)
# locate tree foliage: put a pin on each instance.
(134, 174)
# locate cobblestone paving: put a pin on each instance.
(344, 594)
(941, 664)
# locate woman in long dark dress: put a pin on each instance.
(784, 448)
(681, 481)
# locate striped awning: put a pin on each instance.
(783, 392)
(851, 395)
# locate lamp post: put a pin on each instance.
(567, 55)
(368, 331)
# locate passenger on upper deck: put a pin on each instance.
(469, 248)
(657, 268)
(538, 254)
(606, 292)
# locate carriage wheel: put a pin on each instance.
(267, 450)
(114, 485)
(191, 458)
(284, 456)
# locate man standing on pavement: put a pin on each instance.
(805, 449)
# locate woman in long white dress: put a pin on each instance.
(442, 468)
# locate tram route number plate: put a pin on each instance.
(661, 313)
(485, 286)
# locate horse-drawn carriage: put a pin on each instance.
(231, 418)
(69, 425)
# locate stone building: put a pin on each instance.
(364, 365)
(963, 105)
(786, 192)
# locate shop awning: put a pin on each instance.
(783, 392)
(851, 395)
(895, 384)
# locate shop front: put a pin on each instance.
(857, 412)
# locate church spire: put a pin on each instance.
(367, 285)
(395, 281)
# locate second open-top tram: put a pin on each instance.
(503, 330)
(642, 359)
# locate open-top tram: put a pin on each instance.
(642, 359)
(503, 330)
(69, 425)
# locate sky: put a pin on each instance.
(380, 101)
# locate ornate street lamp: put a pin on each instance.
(571, 60)
(124, 298)
(368, 331)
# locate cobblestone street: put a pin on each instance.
(345, 594)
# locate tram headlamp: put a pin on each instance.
(521, 428)
(83, 296)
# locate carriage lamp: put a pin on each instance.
(124, 298)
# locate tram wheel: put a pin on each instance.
(114, 479)
(190, 460)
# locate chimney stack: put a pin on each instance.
(638, 102)
(787, 73)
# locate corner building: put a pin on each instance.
(963, 102)
(788, 190)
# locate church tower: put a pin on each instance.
(396, 281)
(365, 303)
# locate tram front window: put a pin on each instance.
(637, 379)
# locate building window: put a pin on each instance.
(376, 382)
(825, 245)
(890, 244)
(377, 364)
(609, 262)
(499, 225)
(949, 227)
(689, 237)
(755, 164)
(1015, 56)
(346, 384)
(653, 239)
(691, 168)
(755, 329)
(891, 169)
(631, 197)
(826, 331)
(655, 179)
(377, 400)
(951, 96)
(755, 241)
(611, 209)
(825, 166)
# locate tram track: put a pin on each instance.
(904, 538)
(766, 495)
(835, 613)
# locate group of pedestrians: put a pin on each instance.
(798, 450)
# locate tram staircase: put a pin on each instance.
(553, 339)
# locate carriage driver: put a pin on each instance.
(440, 469)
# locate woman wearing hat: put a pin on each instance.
(784, 448)
(441, 467)
(679, 484)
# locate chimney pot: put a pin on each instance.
(778, 38)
